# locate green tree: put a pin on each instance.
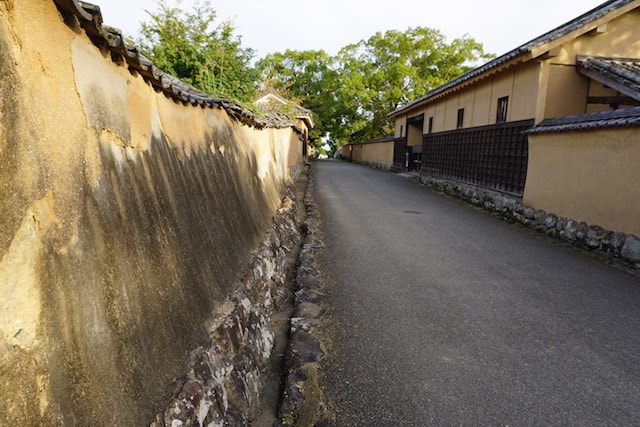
(354, 91)
(308, 78)
(189, 46)
(390, 69)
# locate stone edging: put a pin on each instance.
(224, 381)
(304, 349)
(612, 244)
(374, 165)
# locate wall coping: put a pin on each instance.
(89, 17)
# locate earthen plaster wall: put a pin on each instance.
(578, 175)
(380, 153)
(125, 218)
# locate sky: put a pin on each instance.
(269, 26)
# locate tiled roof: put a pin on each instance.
(548, 37)
(272, 102)
(622, 74)
(89, 17)
(626, 117)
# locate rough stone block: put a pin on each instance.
(306, 295)
(244, 389)
(528, 212)
(570, 230)
(227, 336)
(303, 324)
(235, 418)
(596, 232)
(561, 224)
(631, 249)
(594, 236)
(281, 298)
(304, 348)
(201, 365)
(581, 231)
(260, 338)
(291, 399)
(616, 242)
(308, 310)
(551, 221)
(509, 204)
(183, 408)
(519, 217)
(469, 193)
(450, 189)
(539, 216)
(307, 281)
(518, 208)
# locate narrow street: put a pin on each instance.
(442, 315)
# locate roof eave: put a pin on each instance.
(528, 51)
(465, 81)
(614, 84)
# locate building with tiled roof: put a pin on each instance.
(545, 46)
(498, 126)
(621, 74)
(627, 117)
(275, 108)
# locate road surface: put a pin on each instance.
(443, 315)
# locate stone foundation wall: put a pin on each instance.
(373, 165)
(302, 396)
(223, 382)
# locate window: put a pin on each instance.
(460, 118)
(401, 131)
(430, 129)
(503, 105)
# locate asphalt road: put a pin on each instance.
(443, 315)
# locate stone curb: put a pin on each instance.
(304, 348)
(614, 245)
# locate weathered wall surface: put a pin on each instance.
(125, 219)
(577, 175)
(376, 154)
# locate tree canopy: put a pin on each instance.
(189, 46)
(306, 77)
(353, 92)
(350, 93)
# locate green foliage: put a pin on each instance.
(350, 93)
(353, 92)
(305, 78)
(187, 45)
(287, 418)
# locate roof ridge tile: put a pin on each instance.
(89, 17)
(564, 29)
